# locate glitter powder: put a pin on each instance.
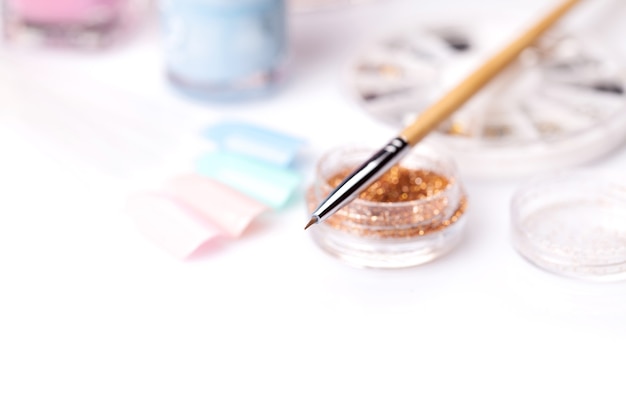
(573, 224)
(410, 215)
(399, 184)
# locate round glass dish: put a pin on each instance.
(412, 215)
(572, 224)
(560, 105)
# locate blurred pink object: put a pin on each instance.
(170, 225)
(222, 205)
(66, 10)
(84, 23)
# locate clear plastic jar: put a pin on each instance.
(572, 223)
(401, 231)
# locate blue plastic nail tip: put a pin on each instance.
(254, 141)
(269, 184)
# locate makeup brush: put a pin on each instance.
(432, 117)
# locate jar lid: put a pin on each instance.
(573, 224)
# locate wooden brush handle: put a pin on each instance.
(433, 116)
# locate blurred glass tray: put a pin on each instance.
(561, 104)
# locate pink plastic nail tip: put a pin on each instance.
(170, 225)
(224, 206)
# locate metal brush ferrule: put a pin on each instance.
(362, 177)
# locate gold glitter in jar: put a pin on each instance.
(412, 214)
(402, 203)
(399, 184)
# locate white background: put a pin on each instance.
(97, 321)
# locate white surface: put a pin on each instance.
(96, 321)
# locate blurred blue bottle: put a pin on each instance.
(224, 49)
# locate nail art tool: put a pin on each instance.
(382, 160)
